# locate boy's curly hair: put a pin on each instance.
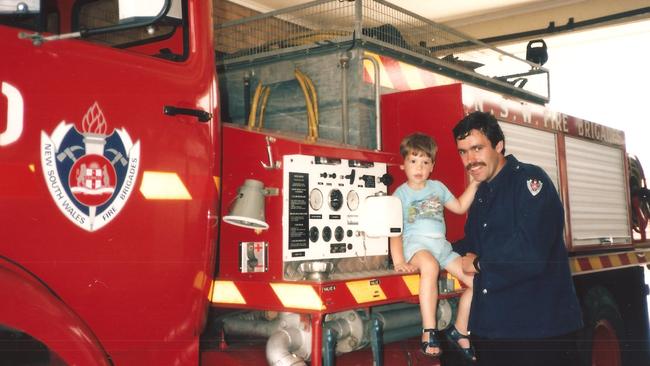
(418, 142)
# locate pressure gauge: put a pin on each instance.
(327, 233)
(339, 233)
(313, 234)
(315, 199)
(353, 200)
(336, 199)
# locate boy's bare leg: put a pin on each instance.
(429, 271)
(465, 302)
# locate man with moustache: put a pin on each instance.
(524, 309)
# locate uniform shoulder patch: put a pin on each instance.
(534, 186)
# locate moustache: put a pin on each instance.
(475, 164)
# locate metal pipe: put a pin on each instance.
(280, 348)
(329, 346)
(257, 328)
(358, 17)
(340, 327)
(349, 329)
(570, 26)
(344, 63)
(399, 318)
(247, 95)
(376, 342)
(399, 322)
(375, 64)
(399, 334)
(403, 322)
(287, 343)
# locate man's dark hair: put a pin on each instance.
(484, 122)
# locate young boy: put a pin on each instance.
(423, 246)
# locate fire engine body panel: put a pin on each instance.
(111, 263)
(139, 228)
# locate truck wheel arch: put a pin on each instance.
(603, 329)
(36, 311)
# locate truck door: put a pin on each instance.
(107, 167)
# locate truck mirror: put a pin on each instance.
(19, 6)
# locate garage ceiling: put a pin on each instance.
(490, 18)
(436, 10)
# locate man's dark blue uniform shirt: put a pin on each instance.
(515, 226)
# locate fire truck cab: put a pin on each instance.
(75, 117)
(176, 190)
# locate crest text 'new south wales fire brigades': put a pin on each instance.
(90, 173)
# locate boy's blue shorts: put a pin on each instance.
(440, 248)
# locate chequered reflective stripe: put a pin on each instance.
(401, 76)
(328, 296)
(365, 291)
(608, 261)
(278, 295)
(446, 283)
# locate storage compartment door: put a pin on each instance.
(597, 194)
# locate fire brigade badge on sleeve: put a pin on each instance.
(91, 173)
(534, 186)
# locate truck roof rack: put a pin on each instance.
(378, 26)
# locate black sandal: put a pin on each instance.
(453, 335)
(432, 342)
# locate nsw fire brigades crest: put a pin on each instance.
(90, 173)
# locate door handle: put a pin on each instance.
(202, 116)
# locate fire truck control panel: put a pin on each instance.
(322, 205)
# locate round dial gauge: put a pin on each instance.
(336, 199)
(313, 234)
(315, 199)
(339, 233)
(327, 233)
(353, 200)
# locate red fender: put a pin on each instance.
(30, 307)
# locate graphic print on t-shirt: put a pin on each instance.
(429, 208)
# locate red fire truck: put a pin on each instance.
(164, 202)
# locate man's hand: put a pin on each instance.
(405, 267)
(468, 263)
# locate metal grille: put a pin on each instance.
(381, 26)
(387, 23)
(305, 26)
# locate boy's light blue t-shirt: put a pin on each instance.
(423, 209)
